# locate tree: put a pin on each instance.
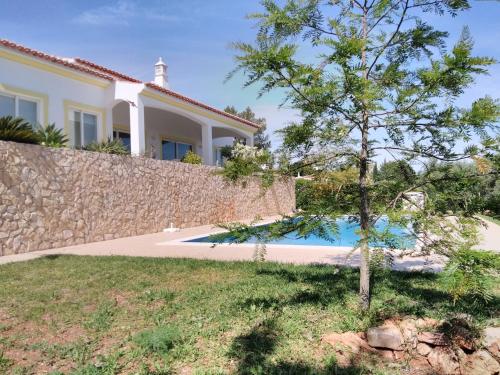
(370, 77)
(260, 138)
(398, 170)
(393, 177)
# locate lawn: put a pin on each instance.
(89, 315)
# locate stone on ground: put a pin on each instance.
(444, 361)
(387, 336)
(423, 349)
(436, 339)
(491, 341)
(481, 363)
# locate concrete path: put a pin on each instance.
(171, 245)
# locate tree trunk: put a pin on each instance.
(364, 208)
(364, 215)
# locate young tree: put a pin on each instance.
(370, 77)
(260, 138)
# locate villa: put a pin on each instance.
(93, 103)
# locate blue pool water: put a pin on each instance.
(346, 236)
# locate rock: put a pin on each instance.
(443, 361)
(348, 340)
(423, 323)
(481, 363)
(423, 349)
(491, 341)
(387, 354)
(420, 365)
(67, 234)
(436, 339)
(387, 336)
(409, 331)
(399, 355)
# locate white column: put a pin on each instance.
(206, 137)
(137, 129)
(108, 129)
(249, 140)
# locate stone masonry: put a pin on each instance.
(59, 197)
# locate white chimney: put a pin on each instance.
(161, 78)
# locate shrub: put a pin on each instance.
(158, 340)
(110, 146)
(50, 136)
(17, 130)
(471, 274)
(192, 158)
(226, 152)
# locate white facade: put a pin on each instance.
(89, 101)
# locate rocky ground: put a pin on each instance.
(427, 345)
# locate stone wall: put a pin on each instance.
(59, 197)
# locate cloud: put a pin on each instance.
(118, 14)
(121, 14)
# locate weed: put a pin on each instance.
(102, 318)
(157, 295)
(158, 340)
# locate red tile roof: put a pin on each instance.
(120, 76)
(199, 104)
(52, 59)
(102, 72)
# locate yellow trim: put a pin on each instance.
(69, 104)
(199, 111)
(47, 67)
(42, 98)
(175, 139)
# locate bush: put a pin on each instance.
(110, 146)
(471, 274)
(158, 340)
(226, 152)
(50, 136)
(303, 193)
(17, 130)
(192, 158)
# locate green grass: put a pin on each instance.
(107, 315)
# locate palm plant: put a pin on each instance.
(17, 130)
(109, 146)
(50, 136)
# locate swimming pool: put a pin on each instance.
(346, 236)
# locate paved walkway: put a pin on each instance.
(170, 245)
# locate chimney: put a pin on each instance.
(161, 78)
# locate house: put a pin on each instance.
(94, 103)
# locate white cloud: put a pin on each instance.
(118, 14)
(121, 14)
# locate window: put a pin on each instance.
(123, 136)
(16, 106)
(84, 127)
(174, 150)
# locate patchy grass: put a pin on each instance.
(109, 315)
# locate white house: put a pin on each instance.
(94, 103)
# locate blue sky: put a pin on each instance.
(193, 37)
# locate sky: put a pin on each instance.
(194, 38)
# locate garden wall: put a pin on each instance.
(59, 197)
